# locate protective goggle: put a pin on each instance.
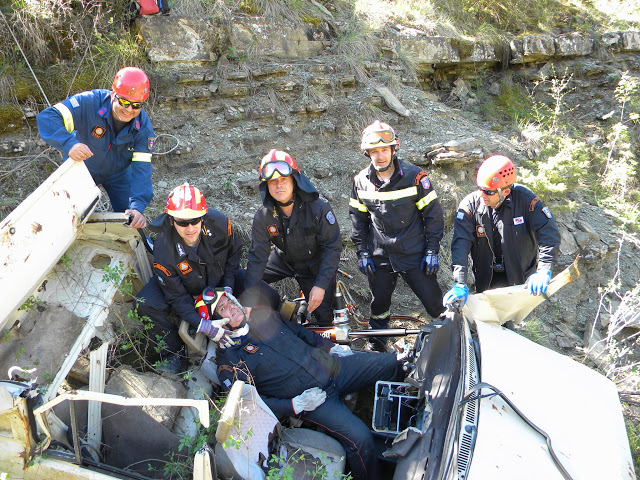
(381, 136)
(271, 168)
(124, 103)
(487, 192)
(186, 223)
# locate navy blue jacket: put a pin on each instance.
(281, 358)
(529, 235)
(87, 118)
(311, 244)
(398, 220)
(183, 274)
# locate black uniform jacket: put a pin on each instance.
(529, 236)
(310, 245)
(398, 220)
(281, 358)
(182, 273)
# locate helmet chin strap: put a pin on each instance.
(393, 159)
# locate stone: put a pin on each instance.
(573, 44)
(531, 48)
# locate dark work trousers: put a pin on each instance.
(276, 270)
(357, 371)
(117, 187)
(151, 303)
(383, 282)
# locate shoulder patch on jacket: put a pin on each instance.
(331, 218)
(184, 267)
(421, 178)
(532, 205)
(460, 215)
(546, 211)
(162, 268)
(272, 230)
(150, 142)
(74, 102)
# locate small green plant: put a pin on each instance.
(66, 261)
(30, 304)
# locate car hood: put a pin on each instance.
(577, 407)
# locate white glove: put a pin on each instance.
(341, 350)
(214, 329)
(308, 400)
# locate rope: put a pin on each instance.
(172, 148)
(25, 58)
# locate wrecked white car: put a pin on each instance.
(479, 401)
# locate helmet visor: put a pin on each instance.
(271, 168)
(381, 136)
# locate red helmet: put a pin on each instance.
(496, 172)
(131, 83)
(378, 134)
(277, 164)
(186, 202)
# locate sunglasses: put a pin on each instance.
(270, 169)
(385, 136)
(186, 223)
(487, 192)
(124, 103)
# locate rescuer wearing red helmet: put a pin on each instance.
(302, 227)
(196, 248)
(112, 134)
(397, 225)
(511, 236)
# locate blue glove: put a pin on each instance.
(458, 294)
(365, 264)
(430, 264)
(539, 281)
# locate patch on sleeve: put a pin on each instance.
(150, 142)
(480, 231)
(518, 221)
(98, 132)
(74, 102)
(251, 348)
(162, 268)
(532, 205)
(160, 279)
(331, 218)
(272, 230)
(426, 184)
(184, 267)
(546, 211)
(227, 383)
(460, 215)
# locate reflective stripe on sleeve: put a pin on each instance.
(66, 116)
(357, 205)
(141, 157)
(424, 201)
(388, 196)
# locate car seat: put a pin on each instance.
(249, 433)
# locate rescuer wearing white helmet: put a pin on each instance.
(397, 225)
